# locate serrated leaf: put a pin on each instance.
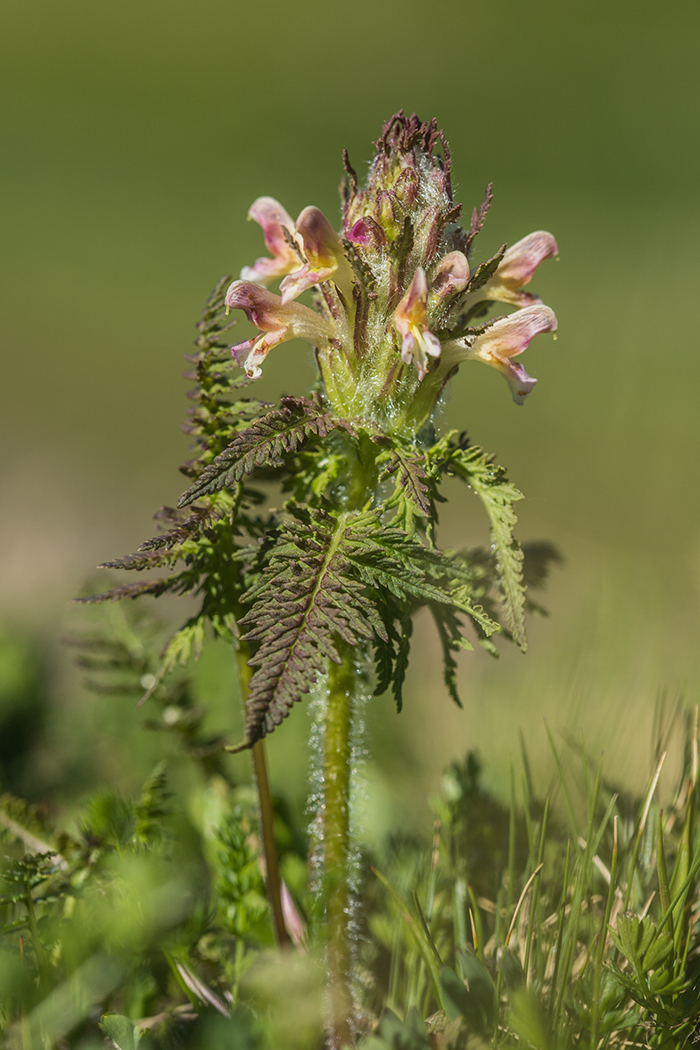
(304, 599)
(176, 584)
(490, 482)
(181, 530)
(264, 443)
(341, 575)
(409, 468)
(478, 218)
(485, 271)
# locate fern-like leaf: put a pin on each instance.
(490, 482)
(408, 467)
(478, 219)
(263, 444)
(178, 584)
(180, 530)
(484, 272)
(339, 576)
(304, 599)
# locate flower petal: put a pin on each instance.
(306, 277)
(518, 380)
(277, 321)
(509, 336)
(522, 259)
(515, 270)
(322, 245)
(274, 220)
(418, 344)
(504, 339)
(325, 257)
(412, 310)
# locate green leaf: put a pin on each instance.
(474, 997)
(346, 576)
(412, 492)
(407, 1035)
(263, 444)
(637, 939)
(485, 271)
(305, 598)
(490, 482)
(152, 807)
(657, 952)
(121, 1030)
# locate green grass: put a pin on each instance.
(565, 918)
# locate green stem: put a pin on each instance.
(336, 846)
(267, 826)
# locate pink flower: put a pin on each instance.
(517, 268)
(324, 254)
(501, 341)
(277, 322)
(411, 320)
(306, 253)
(275, 222)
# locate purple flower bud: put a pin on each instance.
(367, 233)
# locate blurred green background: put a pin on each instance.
(136, 135)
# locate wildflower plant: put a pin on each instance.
(320, 592)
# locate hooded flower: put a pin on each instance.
(411, 320)
(277, 322)
(324, 254)
(517, 268)
(306, 253)
(504, 339)
(275, 222)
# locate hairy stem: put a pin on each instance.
(336, 846)
(272, 874)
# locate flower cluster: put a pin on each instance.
(396, 304)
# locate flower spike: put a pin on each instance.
(400, 243)
(411, 320)
(277, 322)
(504, 339)
(275, 222)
